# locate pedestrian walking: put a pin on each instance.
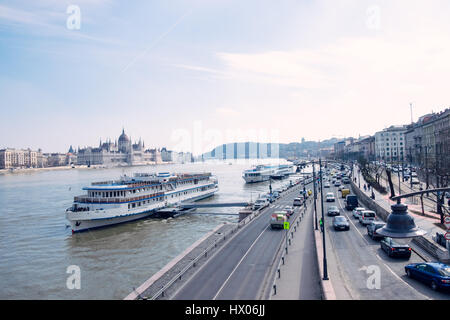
(365, 187)
(321, 224)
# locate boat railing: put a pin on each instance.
(86, 199)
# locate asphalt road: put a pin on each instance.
(354, 255)
(239, 270)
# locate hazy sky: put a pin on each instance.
(194, 74)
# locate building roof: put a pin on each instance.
(123, 137)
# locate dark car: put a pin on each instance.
(341, 223)
(373, 227)
(333, 211)
(395, 249)
(436, 274)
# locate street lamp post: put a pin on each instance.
(315, 195)
(325, 271)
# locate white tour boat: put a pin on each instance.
(137, 197)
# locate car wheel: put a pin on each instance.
(434, 285)
(408, 273)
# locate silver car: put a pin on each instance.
(357, 212)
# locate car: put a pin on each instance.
(340, 223)
(298, 202)
(367, 216)
(260, 203)
(326, 185)
(394, 248)
(337, 184)
(289, 211)
(345, 192)
(345, 180)
(330, 197)
(372, 228)
(414, 180)
(269, 197)
(333, 211)
(276, 194)
(357, 212)
(436, 274)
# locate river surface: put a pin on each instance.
(37, 246)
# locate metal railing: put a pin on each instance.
(204, 253)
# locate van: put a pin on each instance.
(278, 219)
(367, 217)
(345, 192)
(351, 202)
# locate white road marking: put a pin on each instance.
(240, 261)
(379, 258)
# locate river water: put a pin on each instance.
(37, 247)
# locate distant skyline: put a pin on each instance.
(193, 74)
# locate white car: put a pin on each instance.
(326, 185)
(366, 217)
(414, 180)
(330, 197)
(260, 203)
(357, 212)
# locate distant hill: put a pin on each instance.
(258, 150)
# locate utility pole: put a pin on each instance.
(325, 271)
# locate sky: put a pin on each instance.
(193, 74)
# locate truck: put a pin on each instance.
(278, 219)
(351, 202)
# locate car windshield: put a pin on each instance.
(369, 214)
(444, 271)
(340, 219)
(332, 208)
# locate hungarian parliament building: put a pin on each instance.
(124, 152)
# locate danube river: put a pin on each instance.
(37, 246)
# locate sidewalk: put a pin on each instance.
(299, 275)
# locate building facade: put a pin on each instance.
(122, 151)
(13, 158)
(390, 144)
(428, 141)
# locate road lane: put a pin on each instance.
(356, 252)
(237, 271)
